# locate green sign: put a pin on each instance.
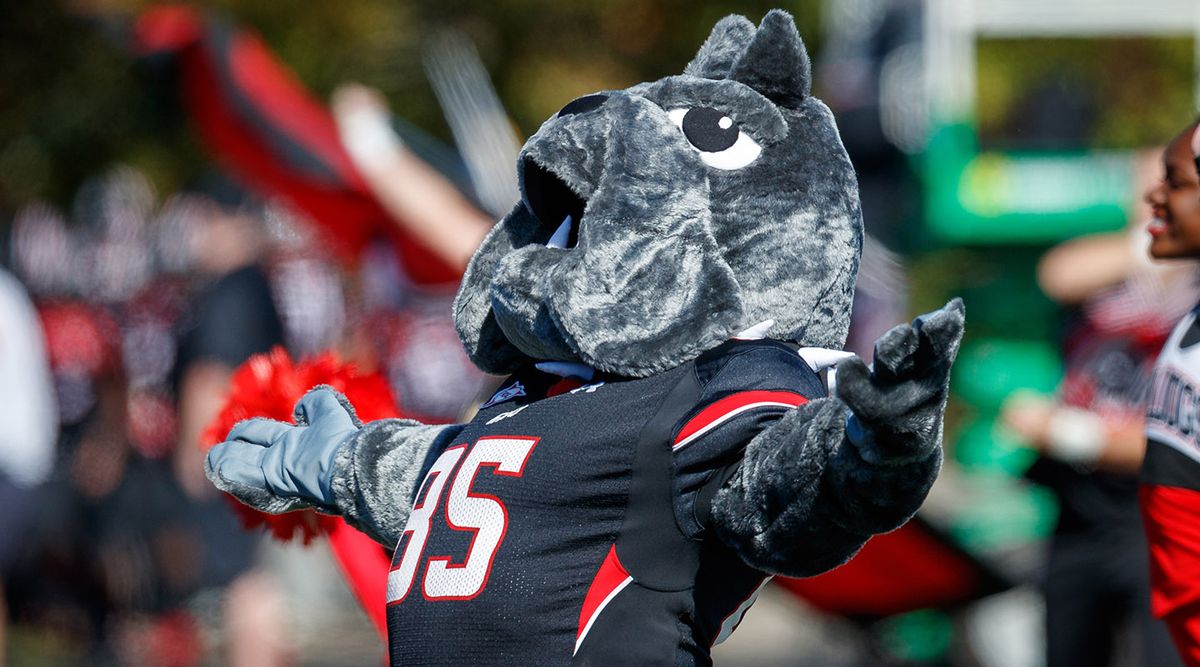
(1021, 197)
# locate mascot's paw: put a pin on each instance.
(277, 467)
(897, 405)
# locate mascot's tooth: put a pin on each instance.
(756, 332)
(560, 236)
(820, 358)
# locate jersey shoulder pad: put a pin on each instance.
(742, 365)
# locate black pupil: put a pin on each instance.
(703, 127)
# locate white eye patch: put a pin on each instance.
(716, 137)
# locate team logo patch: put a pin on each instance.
(1192, 336)
(507, 394)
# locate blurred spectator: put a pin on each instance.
(129, 560)
(232, 319)
(1089, 436)
(869, 59)
(30, 426)
(1171, 476)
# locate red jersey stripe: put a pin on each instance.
(609, 580)
(1172, 520)
(729, 407)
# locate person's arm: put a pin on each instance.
(1073, 435)
(1078, 268)
(201, 393)
(417, 197)
(1075, 270)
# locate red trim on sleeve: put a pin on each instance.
(729, 407)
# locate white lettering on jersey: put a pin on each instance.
(400, 579)
(1174, 400)
(505, 415)
(483, 514)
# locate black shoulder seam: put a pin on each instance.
(651, 544)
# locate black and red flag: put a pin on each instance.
(261, 123)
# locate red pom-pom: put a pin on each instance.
(268, 385)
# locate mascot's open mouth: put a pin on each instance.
(554, 204)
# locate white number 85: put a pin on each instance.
(482, 514)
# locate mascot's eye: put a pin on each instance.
(721, 144)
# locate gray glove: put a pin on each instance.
(897, 405)
(276, 467)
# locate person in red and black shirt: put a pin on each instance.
(1170, 482)
(1090, 437)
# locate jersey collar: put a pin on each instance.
(817, 358)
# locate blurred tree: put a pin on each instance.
(75, 100)
(1078, 93)
(72, 105)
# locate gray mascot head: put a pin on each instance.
(658, 221)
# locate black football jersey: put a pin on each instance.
(568, 522)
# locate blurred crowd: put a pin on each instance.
(138, 309)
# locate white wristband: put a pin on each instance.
(1075, 436)
(368, 138)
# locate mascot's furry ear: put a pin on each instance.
(725, 44)
(776, 62)
(772, 59)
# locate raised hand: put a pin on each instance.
(897, 406)
(277, 467)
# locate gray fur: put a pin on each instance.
(675, 256)
(724, 46)
(485, 343)
(796, 252)
(377, 472)
(647, 275)
(804, 502)
(776, 63)
(900, 402)
(814, 486)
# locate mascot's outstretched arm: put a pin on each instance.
(814, 486)
(328, 461)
